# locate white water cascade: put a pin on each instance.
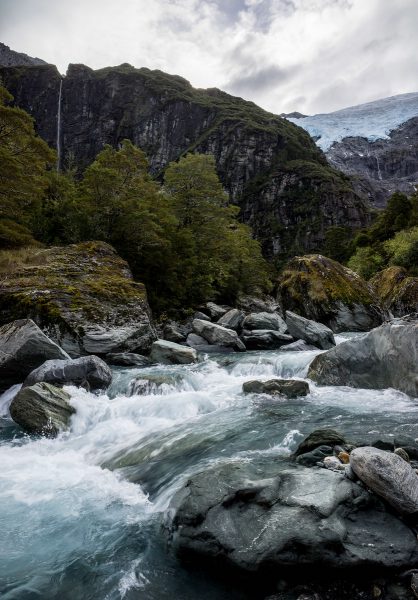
(59, 128)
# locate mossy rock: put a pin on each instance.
(83, 297)
(323, 290)
(396, 290)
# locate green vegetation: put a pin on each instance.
(182, 239)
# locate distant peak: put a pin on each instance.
(10, 58)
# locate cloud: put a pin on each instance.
(306, 55)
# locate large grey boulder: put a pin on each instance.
(127, 359)
(389, 476)
(175, 332)
(90, 372)
(310, 331)
(24, 347)
(170, 353)
(42, 408)
(291, 388)
(232, 319)
(264, 339)
(215, 311)
(386, 357)
(264, 320)
(320, 437)
(201, 345)
(253, 304)
(297, 517)
(218, 335)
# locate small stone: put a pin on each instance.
(402, 453)
(332, 462)
(344, 457)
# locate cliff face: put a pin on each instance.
(10, 58)
(270, 167)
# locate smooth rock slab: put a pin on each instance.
(42, 408)
(259, 519)
(170, 353)
(90, 372)
(218, 335)
(24, 347)
(291, 388)
(389, 476)
(312, 332)
(387, 357)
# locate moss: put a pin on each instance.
(396, 290)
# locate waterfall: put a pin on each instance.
(59, 128)
(379, 172)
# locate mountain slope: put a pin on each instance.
(271, 167)
(377, 141)
(10, 58)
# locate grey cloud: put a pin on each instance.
(263, 80)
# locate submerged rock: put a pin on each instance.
(389, 476)
(397, 291)
(218, 335)
(291, 388)
(90, 372)
(263, 339)
(24, 347)
(321, 289)
(83, 297)
(265, 320)
(128, 359)
(154, 384)
(298, 517)
(320, 437)
(42, 408)
(387, 357)
(310, 331)
(170, 353)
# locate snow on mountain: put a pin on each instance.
(373, 120)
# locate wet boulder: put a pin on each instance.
(218, 335)
(24, 347)
(323, 290)
(264, 320)
(170, 353)
(127, 359)
(232, 319)
(42, 409)
(154, 384)
(389, 476)
(291, 388)
(386, 357)
(90, 372)
(292, 518)
(263, 339)
(320, 437)
(310, 331)
(312, 458)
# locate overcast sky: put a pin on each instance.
(306, 55)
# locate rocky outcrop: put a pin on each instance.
(24, 347)
(170, 353)
(83, 297)
(389, 476)
(87, 371)
(310, 331)
(269, 166)
(293, 518)
(321, 289)
(42, 408)
(291, 388)
(386, 357)
(397, 292)
(217, 335)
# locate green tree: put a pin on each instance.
(403, 249)
(366, 262)
(24, 159)
(337, 243)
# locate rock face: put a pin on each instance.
(297, 517)
(264, 339)
(321, 289)
(389, 476)
(87, 371)
(265, 320)
(291, 388)
(270, 167)
(83, 297)
(385, 357)
(42, 408)
(24, 347)
(218, 335)
(170, 353)
(310, 331)
(396, 291)
(10, 58)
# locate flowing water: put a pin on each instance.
(81, 515)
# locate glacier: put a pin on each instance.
(372, 120)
